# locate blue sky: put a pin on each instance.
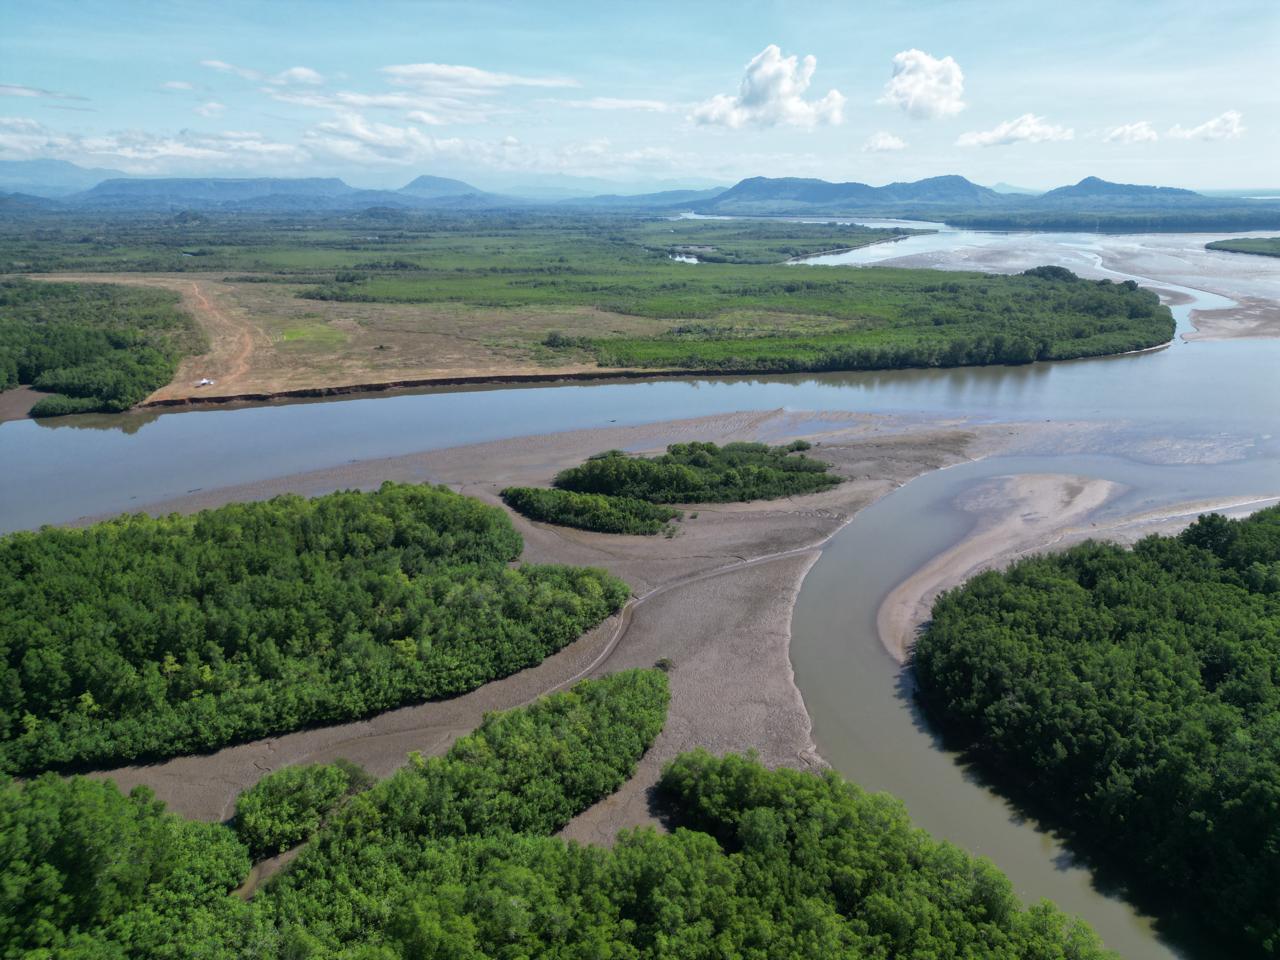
(650, 94)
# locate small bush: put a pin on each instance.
(589, 511)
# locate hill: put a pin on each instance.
(794, 195)
(644, 201)
(1095, 191)
(1092, 204)
(280, 195)
(51, 178)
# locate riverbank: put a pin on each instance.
(16, 402)
(1020, 515)
(715, 600)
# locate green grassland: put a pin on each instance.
(371, 245)
(742, 308)
(1262, 246)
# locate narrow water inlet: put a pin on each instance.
(865, 722)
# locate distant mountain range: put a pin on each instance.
(34, 186)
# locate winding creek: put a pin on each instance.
(1187, 422)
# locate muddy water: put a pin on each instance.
(1187, 395)
(866, 725)
(1189, 421)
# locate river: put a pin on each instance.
(1189, 421)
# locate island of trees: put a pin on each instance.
(149, 637)
(454, 857)
(616, 493)
(1133, 697)
(94, 347)
(1262, 246)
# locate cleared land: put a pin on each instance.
(363, 302)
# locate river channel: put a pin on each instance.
(1193, 420)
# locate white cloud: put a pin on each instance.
(465, 80)
(18, 90)
(211, 108)
(1138, 132)
(244, 73)
(421, 107)
(352, 138)
(298, 75)
(137, 151)
(616, 103)
(294, 75)
(882, 142)
(925, 87)
(176, 85)
(1027, 128)
(1226, 126)
(771, 93)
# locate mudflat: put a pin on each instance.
(715, 600)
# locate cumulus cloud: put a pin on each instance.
(771, 93)
(1138, 132)
(1226, 126)
(925, 87)
(210, 108)
(882, 142)
(176, 85)
(18, 90)
(1027, 128)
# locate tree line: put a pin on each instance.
(146, 637)
(453, 858)
(95, 347)
(1133, 695)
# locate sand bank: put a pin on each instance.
(1252, 318)
(1013, 514)
(1029, 513)
(716, 600)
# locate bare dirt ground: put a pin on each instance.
(16, 401)
(716, 600)
(265, 340)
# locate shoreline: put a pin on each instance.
(1000, 537)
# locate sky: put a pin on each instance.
(649, 95)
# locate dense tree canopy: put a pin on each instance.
(589, 511)
(1135, 695)
(95, 346)
(453, 858)
(702, 473)
(147, 637)
(91, 874)
(287, 806)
